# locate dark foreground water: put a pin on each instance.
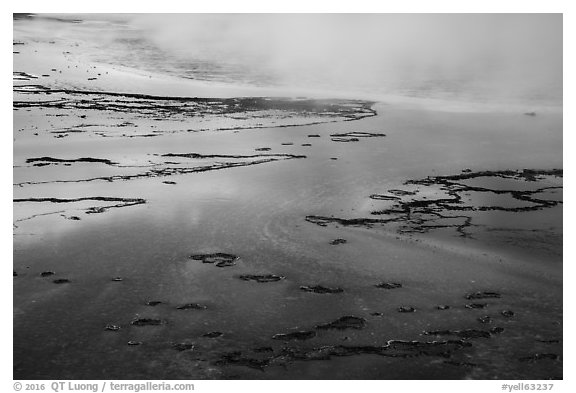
(384, 241)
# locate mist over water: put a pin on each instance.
(478, 57)
(176, 230)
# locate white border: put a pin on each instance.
(357, 6)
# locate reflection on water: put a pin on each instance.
(258, 214)
(110, 221)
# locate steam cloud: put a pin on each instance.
(498, 51)
(495, 55)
